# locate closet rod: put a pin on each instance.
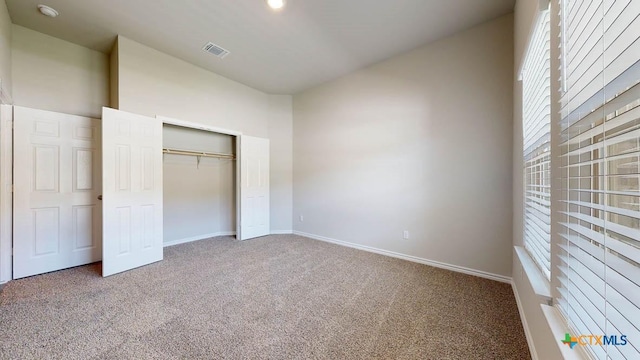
(198, 153)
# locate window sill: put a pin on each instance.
(559, 329)
(539, 283)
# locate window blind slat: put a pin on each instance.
(587, 218)
(617, 85)
(586, 61)
(609, 192)
(579, 19)
(537, 249)
(625, 268)
(622, 305)
(596, 299)
(629, 351)
(632, 233)
(540, 211)
(625, 287)
(596, 267)
(590, 234)
(618, 60)
(582, 319)
(584, 245)
(592, 316)
(630, 213)
(629, 251)
(614, 8)
(541, 201)
(586, 276)
(609, 125)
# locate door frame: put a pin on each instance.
(238, 136)
(6, 192)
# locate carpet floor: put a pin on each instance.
(277, 297)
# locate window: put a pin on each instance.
(536, 120)
(599, 240)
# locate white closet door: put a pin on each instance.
(57, 215)
(132, 191)
(254, 187)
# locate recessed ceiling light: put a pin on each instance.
(276, 4)
(48, 11)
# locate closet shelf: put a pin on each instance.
(198, 153)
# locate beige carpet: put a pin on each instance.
(278, 297)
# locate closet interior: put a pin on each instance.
(199, 184)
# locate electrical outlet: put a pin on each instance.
(405, 234)
(301, 218)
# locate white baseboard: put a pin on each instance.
(196, 238)
(456, 268)
(281, 232)
(226, 233)
(525, 325)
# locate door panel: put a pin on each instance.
(57, 178)
(132, 191)
(254, 187)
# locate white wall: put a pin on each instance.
(198, 200)
(541, 337)
(281, 166)
(5, 49)
(153, 83)
(114, 77)
(420, 142)
(56, 75)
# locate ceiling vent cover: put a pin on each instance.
(215, 50)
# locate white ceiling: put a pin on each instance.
(307, 43)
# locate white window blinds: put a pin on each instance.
(536, 117)
(599, 271)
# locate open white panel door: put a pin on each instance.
(254, 187)
(56, 211)
(131, 190)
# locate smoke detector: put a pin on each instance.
(48, 11)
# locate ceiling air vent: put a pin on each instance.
(216, 50)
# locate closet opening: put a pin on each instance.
(199, 184)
